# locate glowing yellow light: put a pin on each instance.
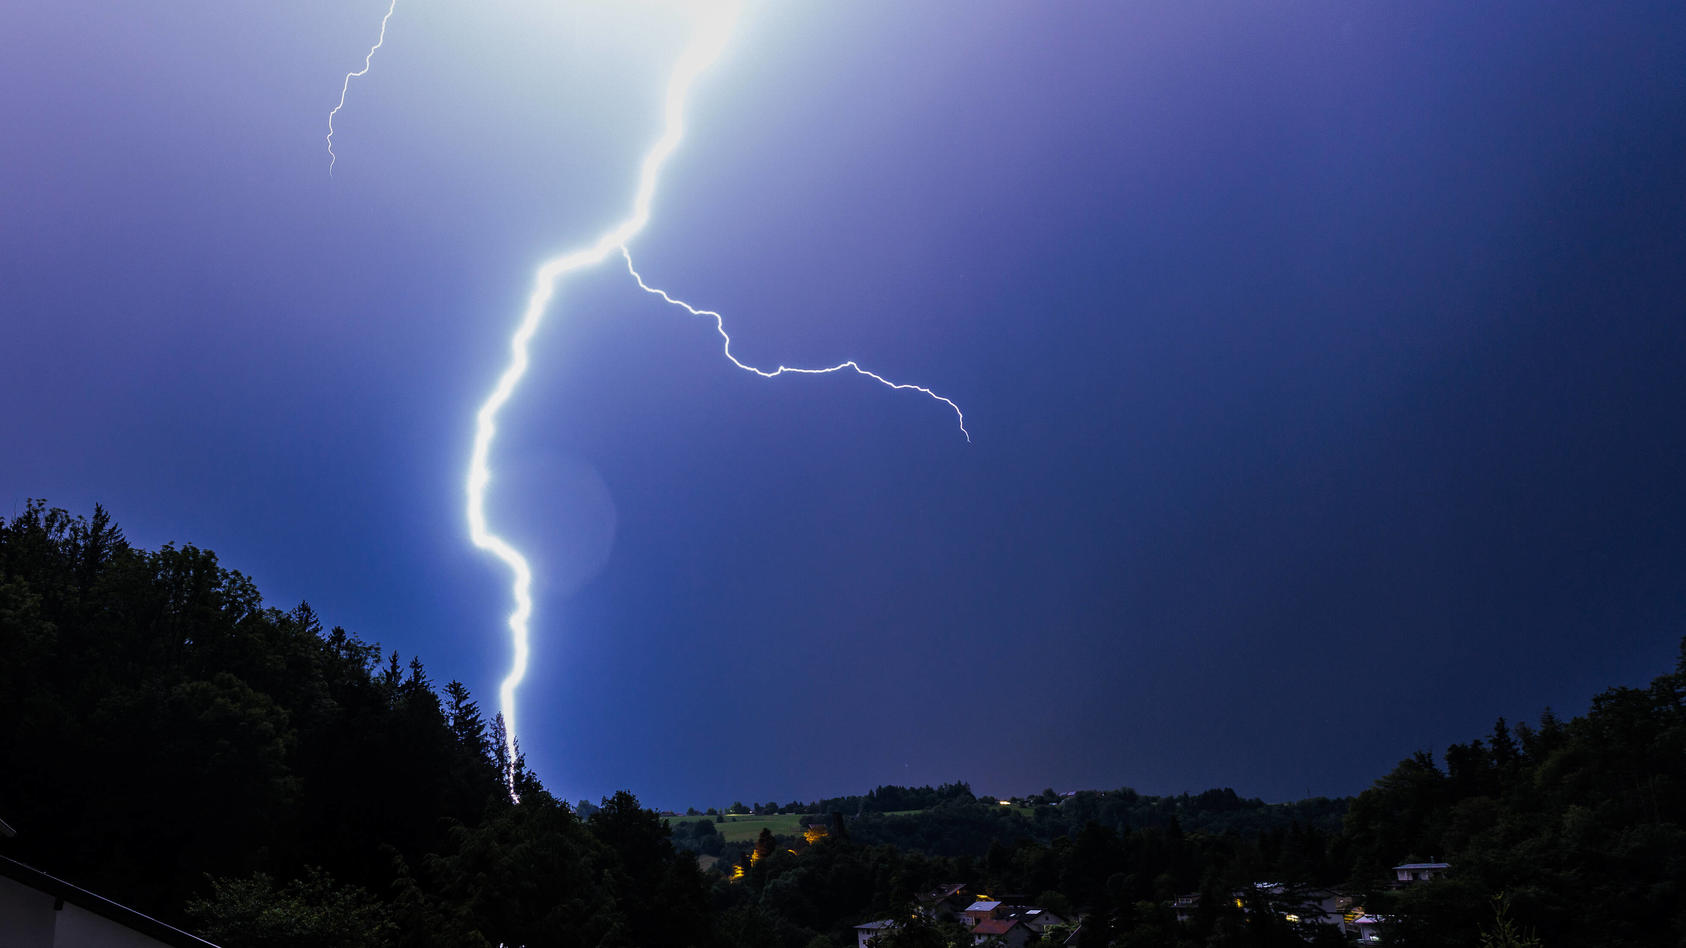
(1291, 917)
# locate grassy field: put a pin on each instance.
(734, 828)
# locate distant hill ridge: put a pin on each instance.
(235, 769)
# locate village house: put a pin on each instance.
(993, 922)
(866, 931)
(1297, 906)
(1420, 871)
(1316, 906)
(989, 921)
(1032, 917)
(1006, 932)
(979, 911)
(946, 901)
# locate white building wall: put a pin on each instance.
(28, 920)
(80, 928)
(26, 916)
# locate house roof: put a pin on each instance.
(982, 906)
(1424, 865)
(875, 926)
(1042, 915)
(994, 926)
(99, 905)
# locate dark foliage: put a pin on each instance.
(1578, 827)
(173, 743)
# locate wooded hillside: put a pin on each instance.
(173, 743)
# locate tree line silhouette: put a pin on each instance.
(171, 742)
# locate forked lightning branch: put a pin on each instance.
(716, 19)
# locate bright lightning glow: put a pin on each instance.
(703, 50)
(346, 86)
(726, 347)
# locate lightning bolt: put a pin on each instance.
(726, 348)
(346, 86)
(703, 50)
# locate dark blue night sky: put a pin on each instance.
(1325, 364)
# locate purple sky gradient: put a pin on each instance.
(1324, 363)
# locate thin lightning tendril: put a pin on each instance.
(346, 86)
(726, 347)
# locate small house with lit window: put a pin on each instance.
(946, 901)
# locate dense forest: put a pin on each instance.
(238, 770)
